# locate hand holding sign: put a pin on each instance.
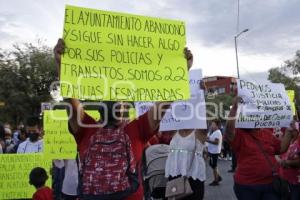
(237, 100)
(58, 51)
(189, 57)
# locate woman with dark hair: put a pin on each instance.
(2, 138)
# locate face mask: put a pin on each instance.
(33, 137)
(8, 141)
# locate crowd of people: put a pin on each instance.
(187, 154)
(111, 158)
(26, 139)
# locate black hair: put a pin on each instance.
(248, 130)
(33, 121)
(38, 177)
(217, 122)
(107, 114)
(22, 131)
(2, 132)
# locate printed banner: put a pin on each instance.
(266, 105)
(117, 56)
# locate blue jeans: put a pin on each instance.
(255, 192)
(295, 192)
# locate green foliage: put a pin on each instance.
(217, 105)
(289, 75)
(26, 73)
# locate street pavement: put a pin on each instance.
(224, 191)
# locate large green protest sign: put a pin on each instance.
(59, 143)
(14, 174)
(116, 56)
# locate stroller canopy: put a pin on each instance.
(156, 157)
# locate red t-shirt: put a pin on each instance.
(44, 193)
(252, 166)
(139, 133)
(162, 138)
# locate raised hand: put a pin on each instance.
(58, 51)
(189, 57)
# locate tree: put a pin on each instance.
(26, 73)
(218, 105)
(289, 75)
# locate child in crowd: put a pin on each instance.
(38, 177)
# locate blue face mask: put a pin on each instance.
(8, 141)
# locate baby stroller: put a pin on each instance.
(155, 158)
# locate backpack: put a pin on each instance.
(108, 169)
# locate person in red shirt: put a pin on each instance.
(38, 177)
(139, 130)
(253, 177)
(164, 137)
(290, 164)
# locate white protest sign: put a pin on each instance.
(189, 114)
(142, 107)
(266, 105)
